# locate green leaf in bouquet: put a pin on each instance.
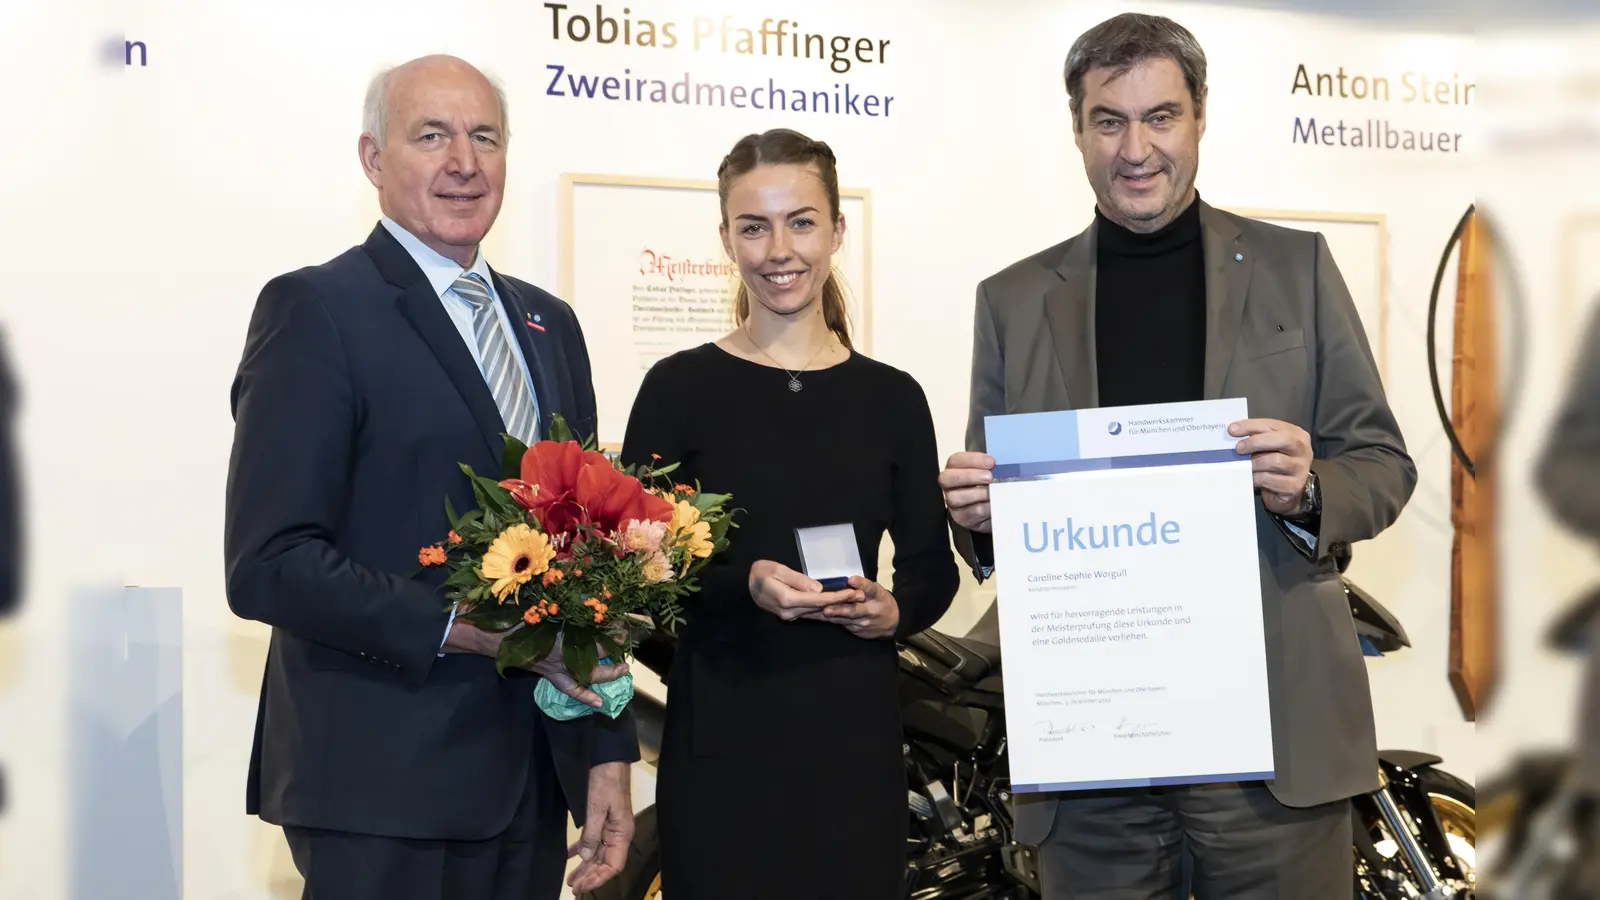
(612, 647)
(495, 501)
(669, 615)
(528, 644)
(579, 653)
(495, 616)
(450, 511)
(667, 469)
(560, 431)
(478, 492)
(707, 502)
(511, 462)
(463, 579)
(719, 529)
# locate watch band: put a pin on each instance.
(1310, 499)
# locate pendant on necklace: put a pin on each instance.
(794, 384)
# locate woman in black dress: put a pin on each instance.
(781, 772)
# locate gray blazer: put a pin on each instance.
(1282, 331)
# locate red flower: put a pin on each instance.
(524, 493)
(577, 486)
(611, 499)
(561, 517)
(554, 466)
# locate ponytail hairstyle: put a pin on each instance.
(782, 146)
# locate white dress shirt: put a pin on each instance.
(442, 273)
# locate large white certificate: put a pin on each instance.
(1130, 598)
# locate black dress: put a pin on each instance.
(781, 772)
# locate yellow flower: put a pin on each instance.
(700, 540)
(686, 523)
(515, 557)
(684, 516)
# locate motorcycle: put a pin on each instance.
(1414, 836)
(1546, 819)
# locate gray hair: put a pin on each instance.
(375, 110)
(1121, 42)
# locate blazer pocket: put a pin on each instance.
(1281, 342)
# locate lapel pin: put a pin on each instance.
(533, 322)
(1238, 257)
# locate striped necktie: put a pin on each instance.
(519, 409)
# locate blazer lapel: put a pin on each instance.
(421, 307)
(541, 368)
(1228, 268)
(1069, 309)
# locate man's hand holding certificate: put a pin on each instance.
(1129, 588)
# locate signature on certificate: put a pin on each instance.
(1048, 728)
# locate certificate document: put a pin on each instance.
(1130, 597)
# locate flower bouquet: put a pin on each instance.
(570, 544)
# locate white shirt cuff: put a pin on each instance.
(1308, 537)
(447, 631)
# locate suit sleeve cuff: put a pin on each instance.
(614, 740)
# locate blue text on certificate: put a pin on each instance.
(1100, 537)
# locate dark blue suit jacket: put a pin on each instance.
(354, 402)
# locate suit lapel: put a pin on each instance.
(1228, 268)
(422, 308)
(537, 353)
(1069, 308)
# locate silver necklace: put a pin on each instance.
(794, 377)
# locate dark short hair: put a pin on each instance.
(1124, 41)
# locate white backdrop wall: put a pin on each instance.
(166, 194)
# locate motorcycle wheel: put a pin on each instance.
(1456, 804)
(640, 878)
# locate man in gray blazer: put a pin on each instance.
(1165, 298)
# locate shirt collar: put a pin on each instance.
(440, 270)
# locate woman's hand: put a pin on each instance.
(875, 615)
(790, 595)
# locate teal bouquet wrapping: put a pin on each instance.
(614, 695)
(569, 544)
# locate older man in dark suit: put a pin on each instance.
(398, 761)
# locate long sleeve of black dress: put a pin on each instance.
(925, 577)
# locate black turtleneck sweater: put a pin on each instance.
(1150, 312)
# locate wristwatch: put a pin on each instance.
(1310, 500)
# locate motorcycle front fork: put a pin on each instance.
(1433, 887)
